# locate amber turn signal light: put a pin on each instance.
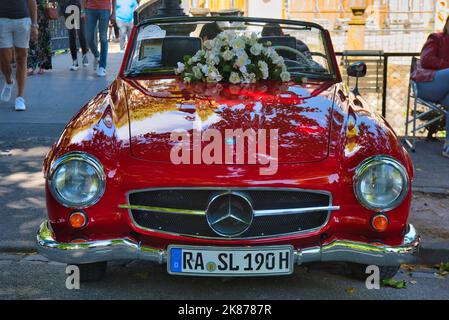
(78, 220)
(379, 222)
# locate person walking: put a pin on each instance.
(66, 8)
(98, 12)
(18, 23)
(432, 75)
(125, 17)
(39, 55)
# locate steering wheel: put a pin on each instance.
(297, 52)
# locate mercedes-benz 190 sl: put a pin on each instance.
(229, 146)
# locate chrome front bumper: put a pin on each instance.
(127, 249)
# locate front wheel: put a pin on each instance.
(90, 272)
(385, 272)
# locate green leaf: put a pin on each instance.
(251, 68)
(187, 58)
(397, 284)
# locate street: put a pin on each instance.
(32, 277)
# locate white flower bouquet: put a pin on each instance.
(234, 58)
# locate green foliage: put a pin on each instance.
(397, 284)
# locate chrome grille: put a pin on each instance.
(183, 211)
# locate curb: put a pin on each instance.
(433, 251)
(434, 190)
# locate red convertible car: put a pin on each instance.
(253, 162)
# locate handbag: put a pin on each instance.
(51, 13)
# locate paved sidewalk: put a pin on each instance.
(25, 137)
(431, 168)
(53, 98)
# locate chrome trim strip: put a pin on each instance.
(162, 210)
(119, 249)
(257, 213)
(278, 212)
(230, 189)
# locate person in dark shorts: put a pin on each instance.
(18, 22)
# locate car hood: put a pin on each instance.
(163, 113)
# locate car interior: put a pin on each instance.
(165, 53)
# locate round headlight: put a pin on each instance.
(77, 180)
(380, 183)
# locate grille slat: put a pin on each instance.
(198, 199)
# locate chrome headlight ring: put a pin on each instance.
(371, 162)
(87, 159)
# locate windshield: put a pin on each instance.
(158, 48)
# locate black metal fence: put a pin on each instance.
(380, 70)
(387, 84)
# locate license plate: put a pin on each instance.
(218, 261)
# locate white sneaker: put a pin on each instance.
(85, 61)
(7, 91)
(101, 72)
(75, 66)
(20, 104)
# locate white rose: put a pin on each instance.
(238, 43)
(187, 80)
(214, 75)
(208, 44)
(234, 78)
(285, 76)
(243, 69)
(278, 60)
(263, 67)
(212, 58)
(242, 60)
(180, 68)
(204, 68)
(256, 49)
(228, 55)
(197, 57)
(253, 38)
(249, 78)
(197, 72)
(270, 52)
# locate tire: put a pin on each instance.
(90, 272)
(359, 271)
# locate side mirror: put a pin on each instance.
(357, 70)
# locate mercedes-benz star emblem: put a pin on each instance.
(229, 214)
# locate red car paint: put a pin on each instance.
(325, 133)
